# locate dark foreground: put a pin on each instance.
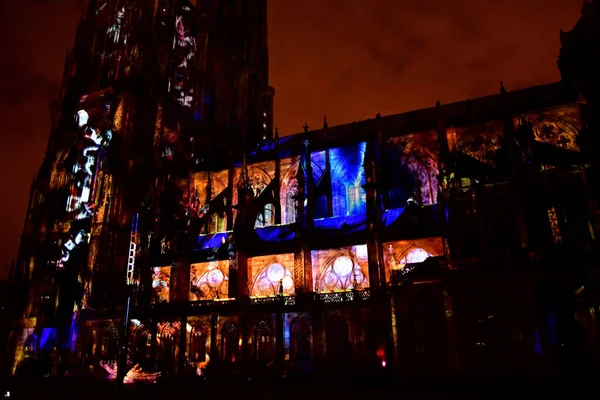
(355, 387)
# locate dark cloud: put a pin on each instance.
(347, 59)
(393, 61)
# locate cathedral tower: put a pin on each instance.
(149, 89)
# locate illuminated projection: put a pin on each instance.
(260, 175)
(198, 342)
(161, 284)
(556, 131)
(94, 136)
(398, 255)
(344, 182)
(289, 189)
(182, 83)
(411, 169)
(271, 275)
(167, 340)
(340, 269)
(135, 374)
(209, 280)
(205, 187)
(480, 144)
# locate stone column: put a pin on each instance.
(374, 216)
(309, 219)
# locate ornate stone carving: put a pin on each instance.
(556, 131)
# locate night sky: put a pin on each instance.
(346, 59)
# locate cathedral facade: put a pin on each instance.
(171, 227)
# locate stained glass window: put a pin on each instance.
(263, 340)
(266, 217)
(214, 283)
(218, 223)
(231, 341)
(271, 278)
(415, 256)
(354, 198)
(291, 207)
(339, 202)
(341, 274)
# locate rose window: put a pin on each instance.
(556, 133)
(211, 284)
(271, 278)
(342, 274)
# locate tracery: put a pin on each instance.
(274, 279)
(555, 131)
(341, 274)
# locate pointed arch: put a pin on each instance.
(289, 189)
(341, 272)
(300, 340)
(263, 341)
(556, 131)
(416, 171)
(266, 217)
(480, 144)
(199, 341)
(230, 342)
(271, 277)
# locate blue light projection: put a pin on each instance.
(343, 184)
(410, 171)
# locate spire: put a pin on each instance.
(306, 127)
(325, 122)
(502, 90)
(244, 178)
(276, 133)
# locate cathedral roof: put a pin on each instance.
(482, 109)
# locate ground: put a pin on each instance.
(310, 388)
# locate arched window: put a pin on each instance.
(268, 282)
(353, 197)
(168, 343)
(415, 256)
(357, 199)
(300, 341)
(212, 284)
(266, 217)
(339, 202)
(231, 342)
(341, 274)
(291, 208)
(198, 343)
(414, 166)
(263, 341)
(141, 340)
